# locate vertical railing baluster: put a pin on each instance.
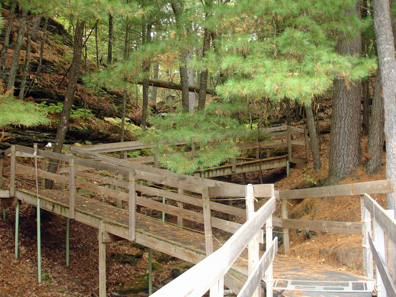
(253, 246)
(132, 206)
(72, 188)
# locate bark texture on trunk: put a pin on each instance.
(17, 49)
(345, 149)
(110, 42)
(69, 96)
(6, 42)
(387, 63)
(313, 136)
(376, 135)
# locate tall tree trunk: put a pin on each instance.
(97, 48)
(6, 42)
(17, 49)
(376, 132)
(191, 81)
(69, 96)
(366, 106)
(110, 44)
(26, 68)
(42, 44)
(313, 136)
(387, 63)
(203, 82)
(345, 149)
(146, 68)
(183, 56)
(156, 76)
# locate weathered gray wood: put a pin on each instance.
(206, 273)
(324, 226)
(377, 212)
(72, 189)
(289, 144)
(366, 227)
(28, 151)
(26, 170)
(260, 191)
(252, 166)
(13, 171)
(207, 222)
(102, 260)
(101, 166)
(382, 269)
(254, 279)
(180, 205)
(286, 238)
(371, 187)
(4, 194)
(132, 207)
(253, 245)
(269, 273)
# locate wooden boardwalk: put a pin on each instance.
(187, 198)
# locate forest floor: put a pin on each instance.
(127, 264)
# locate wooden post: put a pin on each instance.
(72, 188)
(289, 146)
(379, 241)
(13, 171)
(253, 246)
(102, 260)
(180, 205)
(207, 222)
(390, 248)
(43, 166)
(119, 201)
(132, 207)
(268, 242)
(366, 228)
(38, 241)
(16, 229)
(233, 161)
(67, 242)
(150, 278)
(63, 186)
(285, 231)
(306, 145)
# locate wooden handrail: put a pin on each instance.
(204, 275)
(383, 224)
(356, 189)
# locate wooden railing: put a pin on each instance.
(277, 138)
(357, 190)
(139, 186)
(381, 225)
(209, 273)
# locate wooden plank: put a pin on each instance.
(102, 260)
(72, 189)
(13, 171)
(385, 276)
(254, 279)
(101, 179)
(387, 223)
(286, 237)
(264, 190)
(324, 226)
(298, 143)
(230, 191)
(42, 153)
(113, 147)
(275, 144)
(207, 222)
(4, 194)
(101, 166)
(132, 207)
(372, 187)
(200, 278)
(26, 170)
(265, 165)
